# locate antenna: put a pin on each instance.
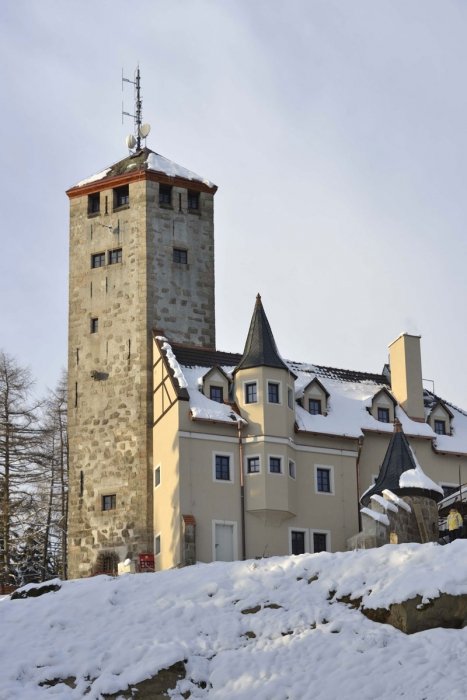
(141, 130)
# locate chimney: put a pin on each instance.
(406, 375)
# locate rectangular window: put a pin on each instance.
(180, 255)
(115, 256)
(314, 407)
(440, 427)
(273, 392)
(253, 465)
(292, 472)
(383, 415)
(222, 468)
(165, 195)
(94, 325)
(98, 260)
(298, 541)
(323, 480)
(320, 542)
(275, 465)
(157, 545)
(216, 393)
(121, 196)
(94, 203)
(157, 477)
(193, 200)
(109, 502)
(290, 397)
(251, 392)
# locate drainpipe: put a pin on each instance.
(360, 445)
(242, 488)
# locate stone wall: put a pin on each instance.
(419, 524)
(110, 370)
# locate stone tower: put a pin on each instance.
(141, 258)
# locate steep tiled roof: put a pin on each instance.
(260, 347)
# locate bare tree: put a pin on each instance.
(19, 443)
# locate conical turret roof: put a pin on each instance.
(398, 461)
(260, 347)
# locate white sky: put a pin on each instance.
(335, 130)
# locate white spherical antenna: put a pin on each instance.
(130, 141)
(144, 130)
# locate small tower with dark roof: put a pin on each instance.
(264, 393)
(402, 504)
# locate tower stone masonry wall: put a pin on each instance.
(110, 370)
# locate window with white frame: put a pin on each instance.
(251, 392)
(157, 476)
(223, 467)
(320, 540)
(273, 392)
(292, 472)
(324, 479)
(275, 465)
(253, 465)
(298, 540)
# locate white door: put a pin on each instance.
(224, 542)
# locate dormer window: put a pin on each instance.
(383, 414)
(314, 407)
(216, 393)
(440, 427)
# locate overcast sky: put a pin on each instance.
(336, 132)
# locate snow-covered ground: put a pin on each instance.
(300, 643)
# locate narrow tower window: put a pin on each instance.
(165, 195)
(121, 196)
(94, 325)
(115, 256)
(94, 203)
(193, 201)
(180, 255)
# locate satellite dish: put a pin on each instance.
(130, 141)
(144, 130)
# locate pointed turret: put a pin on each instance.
(260, 347)
(400, 472)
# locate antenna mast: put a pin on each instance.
(141, 130)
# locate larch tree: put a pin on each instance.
(19, 474)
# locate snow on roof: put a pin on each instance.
(379, 517)
(93, 178)
(146, 160)
(416, 478)
(172, 360)
(163, 165)
(396, 500)
(201, 406)
(384, 503)
(350, 397)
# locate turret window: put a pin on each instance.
(253, 465)
(275, 465)
(251, 392)
(273, 392)
(440, 427)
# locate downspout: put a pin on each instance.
(242, 488)
(357, 466)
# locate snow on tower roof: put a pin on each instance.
(146, 161)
